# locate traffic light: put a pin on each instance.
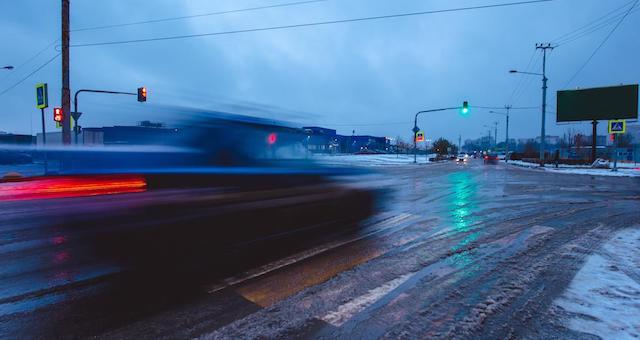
(142, 94)
(57, 115)
(465, 107)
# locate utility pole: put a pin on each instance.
(495, 136)
(543, 136)
(66, 92)
(506, 139)
(459, 143)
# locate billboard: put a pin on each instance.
(602, 103)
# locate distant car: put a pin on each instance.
(491, 158)
(462, 157)
(502, 156)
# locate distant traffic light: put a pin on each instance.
(465, 107)
(57, 115)
(142, 94)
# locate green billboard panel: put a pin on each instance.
(602, 103)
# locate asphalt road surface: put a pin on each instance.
(453, 251)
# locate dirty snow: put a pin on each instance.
(370, 160)
(604, 297)
(626, 171)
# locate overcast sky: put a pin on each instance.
(368, 76)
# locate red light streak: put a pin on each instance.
(70, 186)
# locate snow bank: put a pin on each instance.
(370, 160)
(604, 297)
(581, 169)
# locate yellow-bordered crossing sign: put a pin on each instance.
(42, 96)
(618, 126)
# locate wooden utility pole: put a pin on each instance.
(66, 92)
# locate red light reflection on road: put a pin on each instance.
(70, 186)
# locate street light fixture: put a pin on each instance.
(8, 68)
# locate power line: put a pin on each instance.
(594, 29)
(521, 79)
(593, 25)
(601, 44)
(33, 57)
(152, 21)
(502, 107)
(29, 75)
(320, 23)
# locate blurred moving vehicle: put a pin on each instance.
(213, 183)
(491, 158)
(502, 156)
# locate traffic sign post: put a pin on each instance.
(42, 102)
(419, 136)
(616, 127)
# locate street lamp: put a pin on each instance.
(544, 49)
(544, 109)
(506, 151)
(8, 68)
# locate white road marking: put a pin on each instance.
(382, 226)
(348, 310)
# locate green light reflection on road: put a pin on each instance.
(462, 209)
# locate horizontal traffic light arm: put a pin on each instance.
(75, 97)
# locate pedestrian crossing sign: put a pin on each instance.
(618, 126)
(420, 136)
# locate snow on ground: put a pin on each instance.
(604, 297)
(370, 160)
(626, 171)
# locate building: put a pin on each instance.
(11, 139)
(353, 144)
(129, 135)
(549, 140)
(323, 140)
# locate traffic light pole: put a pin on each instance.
(416, 129)
(75, 106)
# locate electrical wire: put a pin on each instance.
(30, 59)
(153, 21)
(320, 23)
(597, 24)
(521, 80)
(29, 75)
(601, 44)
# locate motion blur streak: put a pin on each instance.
(71, 186)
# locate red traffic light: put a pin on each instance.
(142, 94)
(57, 114)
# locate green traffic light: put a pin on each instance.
(465, 107)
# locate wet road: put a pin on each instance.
(467, 251)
